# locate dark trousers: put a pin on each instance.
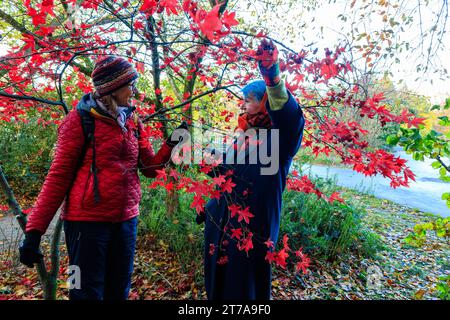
(103, 253)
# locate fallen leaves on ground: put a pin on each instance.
(406, 272)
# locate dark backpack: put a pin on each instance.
(88, 124)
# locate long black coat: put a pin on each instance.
(248, 276)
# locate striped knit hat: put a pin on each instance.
(112, 73)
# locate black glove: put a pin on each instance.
(200, 218)
(29, 250)
(169, 141)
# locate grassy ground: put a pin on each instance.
(405, 272)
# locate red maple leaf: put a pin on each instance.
(247, 243)
(335, 197)
(198, 203)
(280, 258)
(329, 70)
(174, 174)
(187, 5)
(229, 20)
(222, 260)
(169, 186)
(303, 265)
(269, 243)
(149, 7)
(161, 174)
(138, 25)
(236, 233)
(155, 184)
(219, 180)
(299, 253)
(140, 67)
(210, 24)
(205, 169)
(29, 42)
(234, 209)
(36, 17)
(47, 7)
(215, 194)
(45, 31)
(270, 256)
(212, 248)
(245, 215)
(91, 4)
(228, 186)
(171, 6)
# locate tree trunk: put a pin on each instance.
(47, 279)
(172, 201)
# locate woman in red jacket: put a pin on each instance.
(100, 183)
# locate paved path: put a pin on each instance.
(11, 235)
(424, 193)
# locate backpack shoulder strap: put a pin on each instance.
(88, 124)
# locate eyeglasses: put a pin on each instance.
(132, 86)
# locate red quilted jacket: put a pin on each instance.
(118, 156)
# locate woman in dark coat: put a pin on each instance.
(241, 225)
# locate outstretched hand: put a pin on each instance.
(267, 57)
(267, 54)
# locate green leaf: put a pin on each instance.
(444, 121)
(436, 165)
(447, 103)
(418, 156)
(392, 139)
(445, 195)
(435, 107)
(443, 172)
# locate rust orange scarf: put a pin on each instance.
(260, 119)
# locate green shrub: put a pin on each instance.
(326, 230)
(26, 155)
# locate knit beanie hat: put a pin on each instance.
(112, 73)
